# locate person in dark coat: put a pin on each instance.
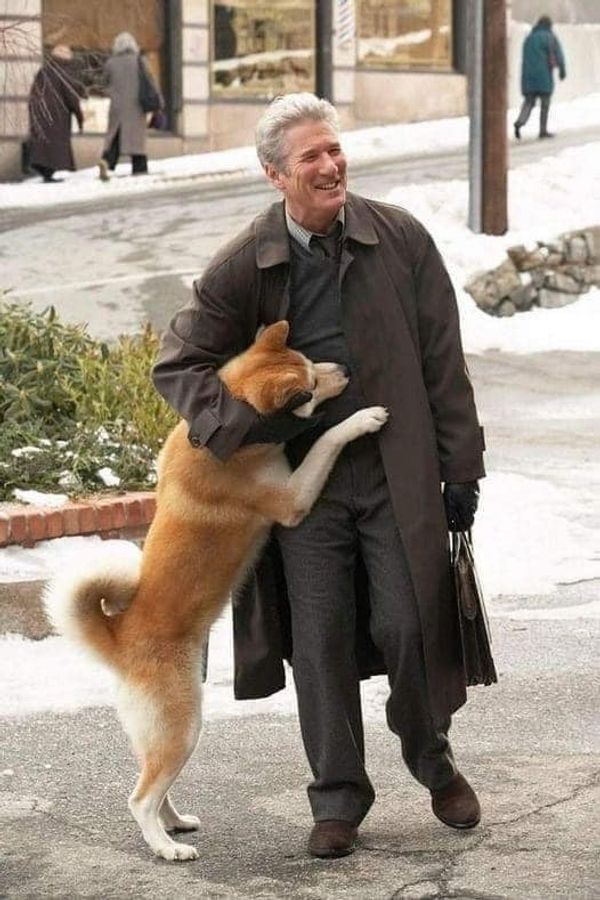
(126, 133)
(363, 585)
(53, 99)
(542, 54)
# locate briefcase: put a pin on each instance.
(475, 632)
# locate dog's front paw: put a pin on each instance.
(331, 380)
(367, 421)
(173, 851)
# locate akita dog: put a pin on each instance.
(147, 615)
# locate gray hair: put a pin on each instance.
(125, 43)
(280, 115)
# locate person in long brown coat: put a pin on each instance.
(53, 99)
(126, 133)
(363, 584)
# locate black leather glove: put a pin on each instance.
(282, 426)
(461, 502)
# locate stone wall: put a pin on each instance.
(549, 274)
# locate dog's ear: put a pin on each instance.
(275, 336)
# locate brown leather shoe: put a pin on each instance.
(456, 804)
(331, 838)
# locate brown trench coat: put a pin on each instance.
(401, 321)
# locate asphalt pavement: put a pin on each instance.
(530, 746)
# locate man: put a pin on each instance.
(541, 54)
(363, 585)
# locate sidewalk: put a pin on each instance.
(530, 745)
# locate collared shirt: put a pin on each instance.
(302, 235)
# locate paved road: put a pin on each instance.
(117, 264)
(531, 746)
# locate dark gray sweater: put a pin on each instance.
(316, 330)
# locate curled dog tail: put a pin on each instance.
(84, 600)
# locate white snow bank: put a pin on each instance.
(556, 194)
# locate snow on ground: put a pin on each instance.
(546, 198)
(545, 548)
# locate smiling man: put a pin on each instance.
(363, 585)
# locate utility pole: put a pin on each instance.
(488, 146)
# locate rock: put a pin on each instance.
(554, 299)
(577, 249)
(524, 297)
(506, 277)
(489, 288)
(592, 237)
(483, 291)
(550, 274)
(592, 275)
(506, 308)
(561, 281)
(537, 277)
(525, 259)
(574, 271)
(554, 248)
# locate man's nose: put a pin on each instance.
(328, 165)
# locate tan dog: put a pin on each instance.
(148, 617)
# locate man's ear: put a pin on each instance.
(274, 176)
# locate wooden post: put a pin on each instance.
(488, 145)
(494, 214)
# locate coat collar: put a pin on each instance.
(272, 241)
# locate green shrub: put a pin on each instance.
(76, 405)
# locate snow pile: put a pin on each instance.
(558, 193)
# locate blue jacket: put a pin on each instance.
(541, 53)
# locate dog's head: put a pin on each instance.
(270, 376)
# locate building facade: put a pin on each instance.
(219, 61)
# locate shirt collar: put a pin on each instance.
(302, 235)
(272, 237)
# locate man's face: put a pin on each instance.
(313, 180)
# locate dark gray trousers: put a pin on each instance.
(527, 106)
(354, 514)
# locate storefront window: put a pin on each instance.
(90, 29)
(414, 34)
(262, 49)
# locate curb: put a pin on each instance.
(126, 515)
(120, 516)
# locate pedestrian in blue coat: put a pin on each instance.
(541, 54)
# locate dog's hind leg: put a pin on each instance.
(164, 729)
(174, 821)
